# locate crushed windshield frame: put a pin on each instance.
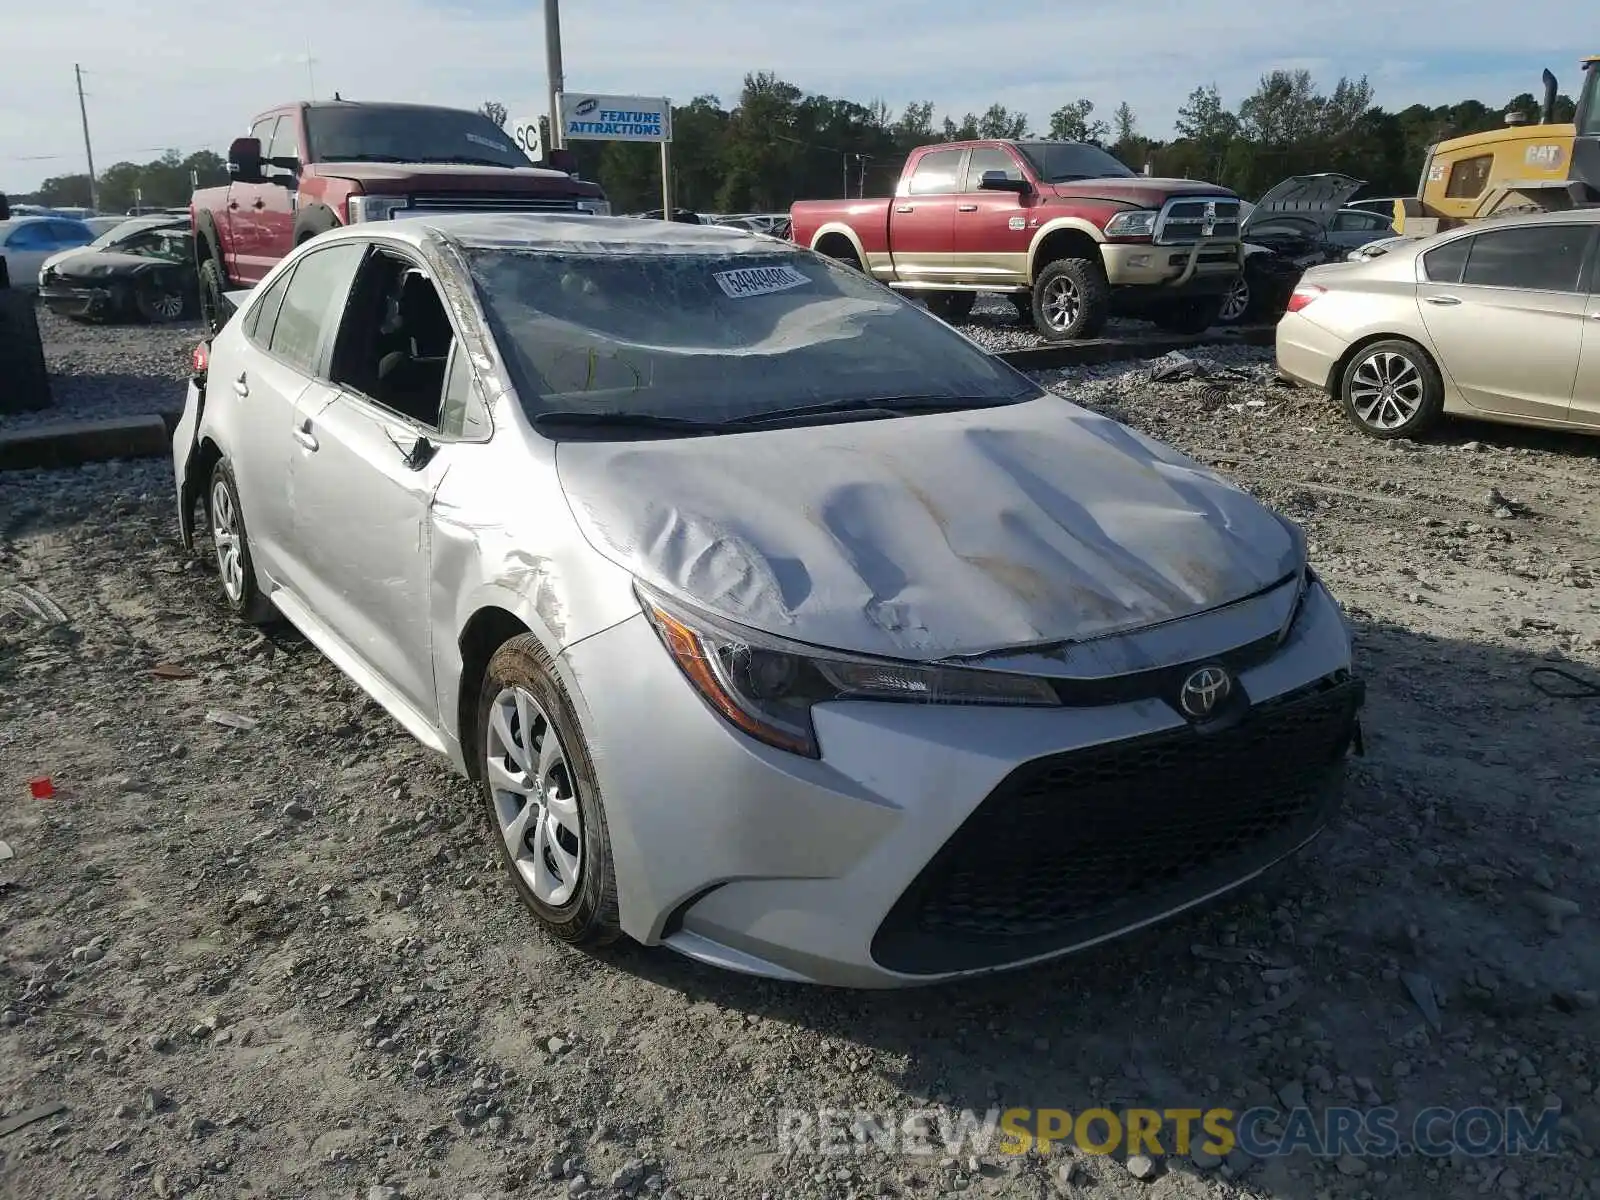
(419, 117)
(1032, 152)
(913, 356)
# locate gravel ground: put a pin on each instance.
(280, 961)
(995, 323)
(99, 371)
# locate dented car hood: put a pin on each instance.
(931, 536)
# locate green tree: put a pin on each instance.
(1074, 122)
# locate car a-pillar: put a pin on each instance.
(1071, 297)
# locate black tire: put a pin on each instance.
(1194, 314)
(214, 307)
(845, 258)
(1241, 304)
(589, 917)
(1413, 380)
(1071, 300)
(1023, 303)
(243, 596)
(951, 306)
(160, 302)
(24, 378)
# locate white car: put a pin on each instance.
(26, 242)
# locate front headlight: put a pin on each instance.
(766, 686)
(1132, 224)
(597, 208)
(373, 208)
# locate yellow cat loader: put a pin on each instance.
(1521, 168)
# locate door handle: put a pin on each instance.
(303, 434)
(903, 208)
(1443, 300)
(241, 385)
(966, 208)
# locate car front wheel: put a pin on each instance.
(1237, 303)
(1391, 389)
(543, 804)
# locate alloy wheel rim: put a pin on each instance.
(168, 305)
(1386, 390)
(1236, 301)
(1061, 303)
(225, 537)
(535, 800)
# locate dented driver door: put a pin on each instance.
(363, 479)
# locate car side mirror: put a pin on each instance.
(999, 181)
(244, 160)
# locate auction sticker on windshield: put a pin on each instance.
(759, 281)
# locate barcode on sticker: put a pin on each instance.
(759, 281)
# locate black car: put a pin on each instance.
(144, 268)
(1301, 222)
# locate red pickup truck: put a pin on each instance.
(1068, 232)
(307, 167)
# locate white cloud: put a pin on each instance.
(166, 72)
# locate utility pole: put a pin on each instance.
(552, 65)
(83, 114)
(311, 75)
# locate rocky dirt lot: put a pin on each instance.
(257, 944)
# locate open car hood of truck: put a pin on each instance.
(932, 536)
(1138, 190)
(453, 177)
(1316, 198)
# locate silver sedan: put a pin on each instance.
(775, 621)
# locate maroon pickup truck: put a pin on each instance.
(1070, 234)
(307, 167)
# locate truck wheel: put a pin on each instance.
(1196, 314)
(214, 307)
(951, 306)
(1071, 300)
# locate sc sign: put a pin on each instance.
(528, 136)
(616, 118)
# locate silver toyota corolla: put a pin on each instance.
(777, 622)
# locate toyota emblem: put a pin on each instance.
(1204, 692)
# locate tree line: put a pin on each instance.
(778, 143)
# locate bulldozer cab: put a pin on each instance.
(1523, 167)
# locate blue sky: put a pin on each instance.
(176, 73)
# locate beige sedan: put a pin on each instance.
(1499, 321)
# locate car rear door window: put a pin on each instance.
(936, 173)
(261, 318)
(1541, 258)
(311, 304)
(1443, 264)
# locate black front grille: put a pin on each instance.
(1073, 848)
(491, 202)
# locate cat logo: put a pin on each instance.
(1546, 157)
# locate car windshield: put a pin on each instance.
(403, 133)
(717, 337)
(1060, 162)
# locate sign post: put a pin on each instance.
(621, 119)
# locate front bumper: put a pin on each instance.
(932, 842)
(1206, 267)
(72, 300)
